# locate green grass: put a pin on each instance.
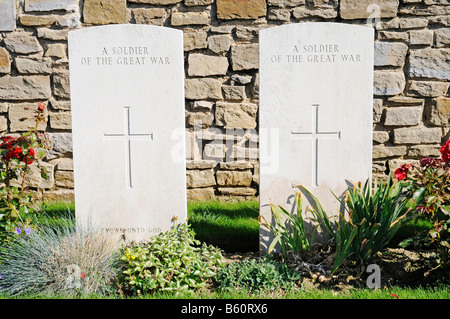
(233, 226)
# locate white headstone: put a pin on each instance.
(127, 104)
(315, 113)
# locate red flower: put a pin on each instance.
(41, 106)
(394, 295)
(402, 171)
(15, 152)
(30, 156)
(430, 162)
(82, 275)
(445, 151)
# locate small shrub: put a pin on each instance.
(172, 261)
(60, 259)
(256, 275)
(428, 184)
(17, 204)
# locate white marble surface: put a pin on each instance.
(127, 105)
(315, 113)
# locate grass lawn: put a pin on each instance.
(234, 227)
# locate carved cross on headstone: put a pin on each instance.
(128, 136)
(314, 136)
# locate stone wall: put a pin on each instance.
(411, 79)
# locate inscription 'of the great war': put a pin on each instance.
(315, 53)
(125, 55)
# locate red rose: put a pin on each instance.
(445, 151)
(41, 106)
(30, 157)
(402, 172)
(15, 152)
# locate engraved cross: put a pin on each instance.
(128, 137)
(314, 136)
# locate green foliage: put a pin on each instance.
(57, 258)
(288, 230)
(256, 275)
(374, 217)
(17, 204)
(172, 261)
(428, 185)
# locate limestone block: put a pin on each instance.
(199, 119)
(244, 57)
(64, 179)
(60, 120)
(430, 63)
(326, 12)
(189, 18)
(61, 87)
(54, 35)
(201, 105)
(279, 14)
(30, 66)
(191, 3)
(237, 191)
(241, 9)
(417, 135)
(380, 136)
(34, 178)
(34, 87)
(61, 142)
(381, 151)
(105, 11)
(392, 35)
(388, 82)
(5, 63)
(234, 178)
(236, 115)
(154, 16)
(377, 110)
(203, 88)
(200, 164)
(56, 50)
(22, 117)
(204, 65)
(49, 5)
(439, 112)
(200, 194)
(359, 9)
(427, 88)
(285, 3)
(30, 20)
(239, 165)
(421, 37)
(234, 92)
(157, 2)
(390, 53)
(403, 116)
(3, 123)
(215, 150)
(195, 40)
(442, 37)
(22, 43)
(424, 150)
(247, 33)
(220, 43)
(200, 178)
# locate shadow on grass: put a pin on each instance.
(232, 227)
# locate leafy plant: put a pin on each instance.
(256, 275)
(171, 261)
(288, 229)
(17, 204)
(428, 185)
(374, 216)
